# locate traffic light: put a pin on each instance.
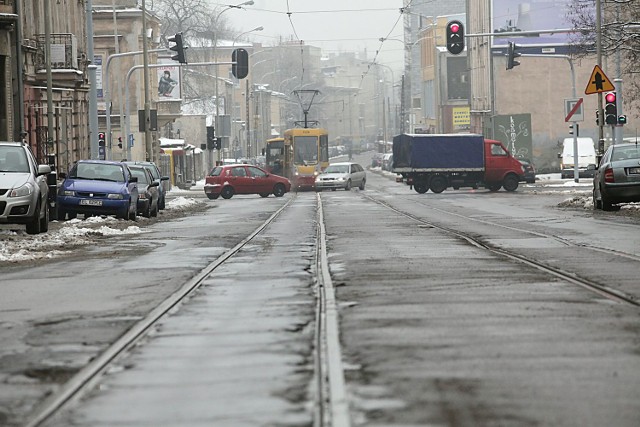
(512, 54)
(101, 139)
(622, 120)
(240, 67)
(120, 142)
(597, 117)
(610, 108)
(211, 137)
(575, 126)
(179, 48)
(217, 143)
(455, 37)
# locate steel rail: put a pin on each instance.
(332, 400)
(590, 285)
(89, 376)
(562, 240)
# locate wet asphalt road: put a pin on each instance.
(435, 331)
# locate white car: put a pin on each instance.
(24, 195)
(342, 175)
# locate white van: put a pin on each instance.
(586, 157)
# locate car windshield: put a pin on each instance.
(13, 159)
(140, 174)
(98, 172)
(337, 169)
(625, 153)
(153, 171)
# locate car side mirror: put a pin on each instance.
(44, 169)
(133, 179)
(164, 178)
(154, 184)
(592, 167)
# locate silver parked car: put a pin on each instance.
(23, 188)
(342, 175)
(617, 178)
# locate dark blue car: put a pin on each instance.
(163, 181)
(98, 187)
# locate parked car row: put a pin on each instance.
(103, 187)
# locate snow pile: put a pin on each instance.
(18, 246)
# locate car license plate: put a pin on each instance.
(89, 202)
(634, 171)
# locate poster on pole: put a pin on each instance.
(98, 61)
(168, 80)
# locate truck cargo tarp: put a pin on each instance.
(454, 151)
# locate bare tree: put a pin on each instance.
(620, 35)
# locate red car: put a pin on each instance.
(228, 180)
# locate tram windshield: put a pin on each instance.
(305, 149)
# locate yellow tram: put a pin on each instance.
(305, 155)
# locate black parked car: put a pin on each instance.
(529, 171)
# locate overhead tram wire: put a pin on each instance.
(381, 45)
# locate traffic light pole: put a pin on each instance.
(600, 151)
(126, 93)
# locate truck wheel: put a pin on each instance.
(438, 184)
(420, 187)
(510, 183)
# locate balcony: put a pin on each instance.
(7, 14)
(64, 52)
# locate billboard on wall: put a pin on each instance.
(514, 131)
(530, 15)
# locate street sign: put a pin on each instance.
(599, 82)
(573, 110)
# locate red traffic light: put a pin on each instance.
(610, 97)
(454, 27)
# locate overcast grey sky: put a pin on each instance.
(333, 25)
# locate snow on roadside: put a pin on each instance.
(17, 246)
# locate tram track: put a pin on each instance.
(591, 285)
(89, 376)
(328, 391)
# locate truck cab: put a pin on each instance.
(499, 164)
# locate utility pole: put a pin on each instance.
(93, 90)
(147, 101)
(47, 57)
(600, 152)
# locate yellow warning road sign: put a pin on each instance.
(599, 82)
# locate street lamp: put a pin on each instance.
(215, 56)
(247, 32)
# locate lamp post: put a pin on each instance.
(260, 28)
(215, 57)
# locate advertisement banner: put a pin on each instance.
(530, 15)
(168, 80)
(461, 117)
(98, 61)
(514, 131)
